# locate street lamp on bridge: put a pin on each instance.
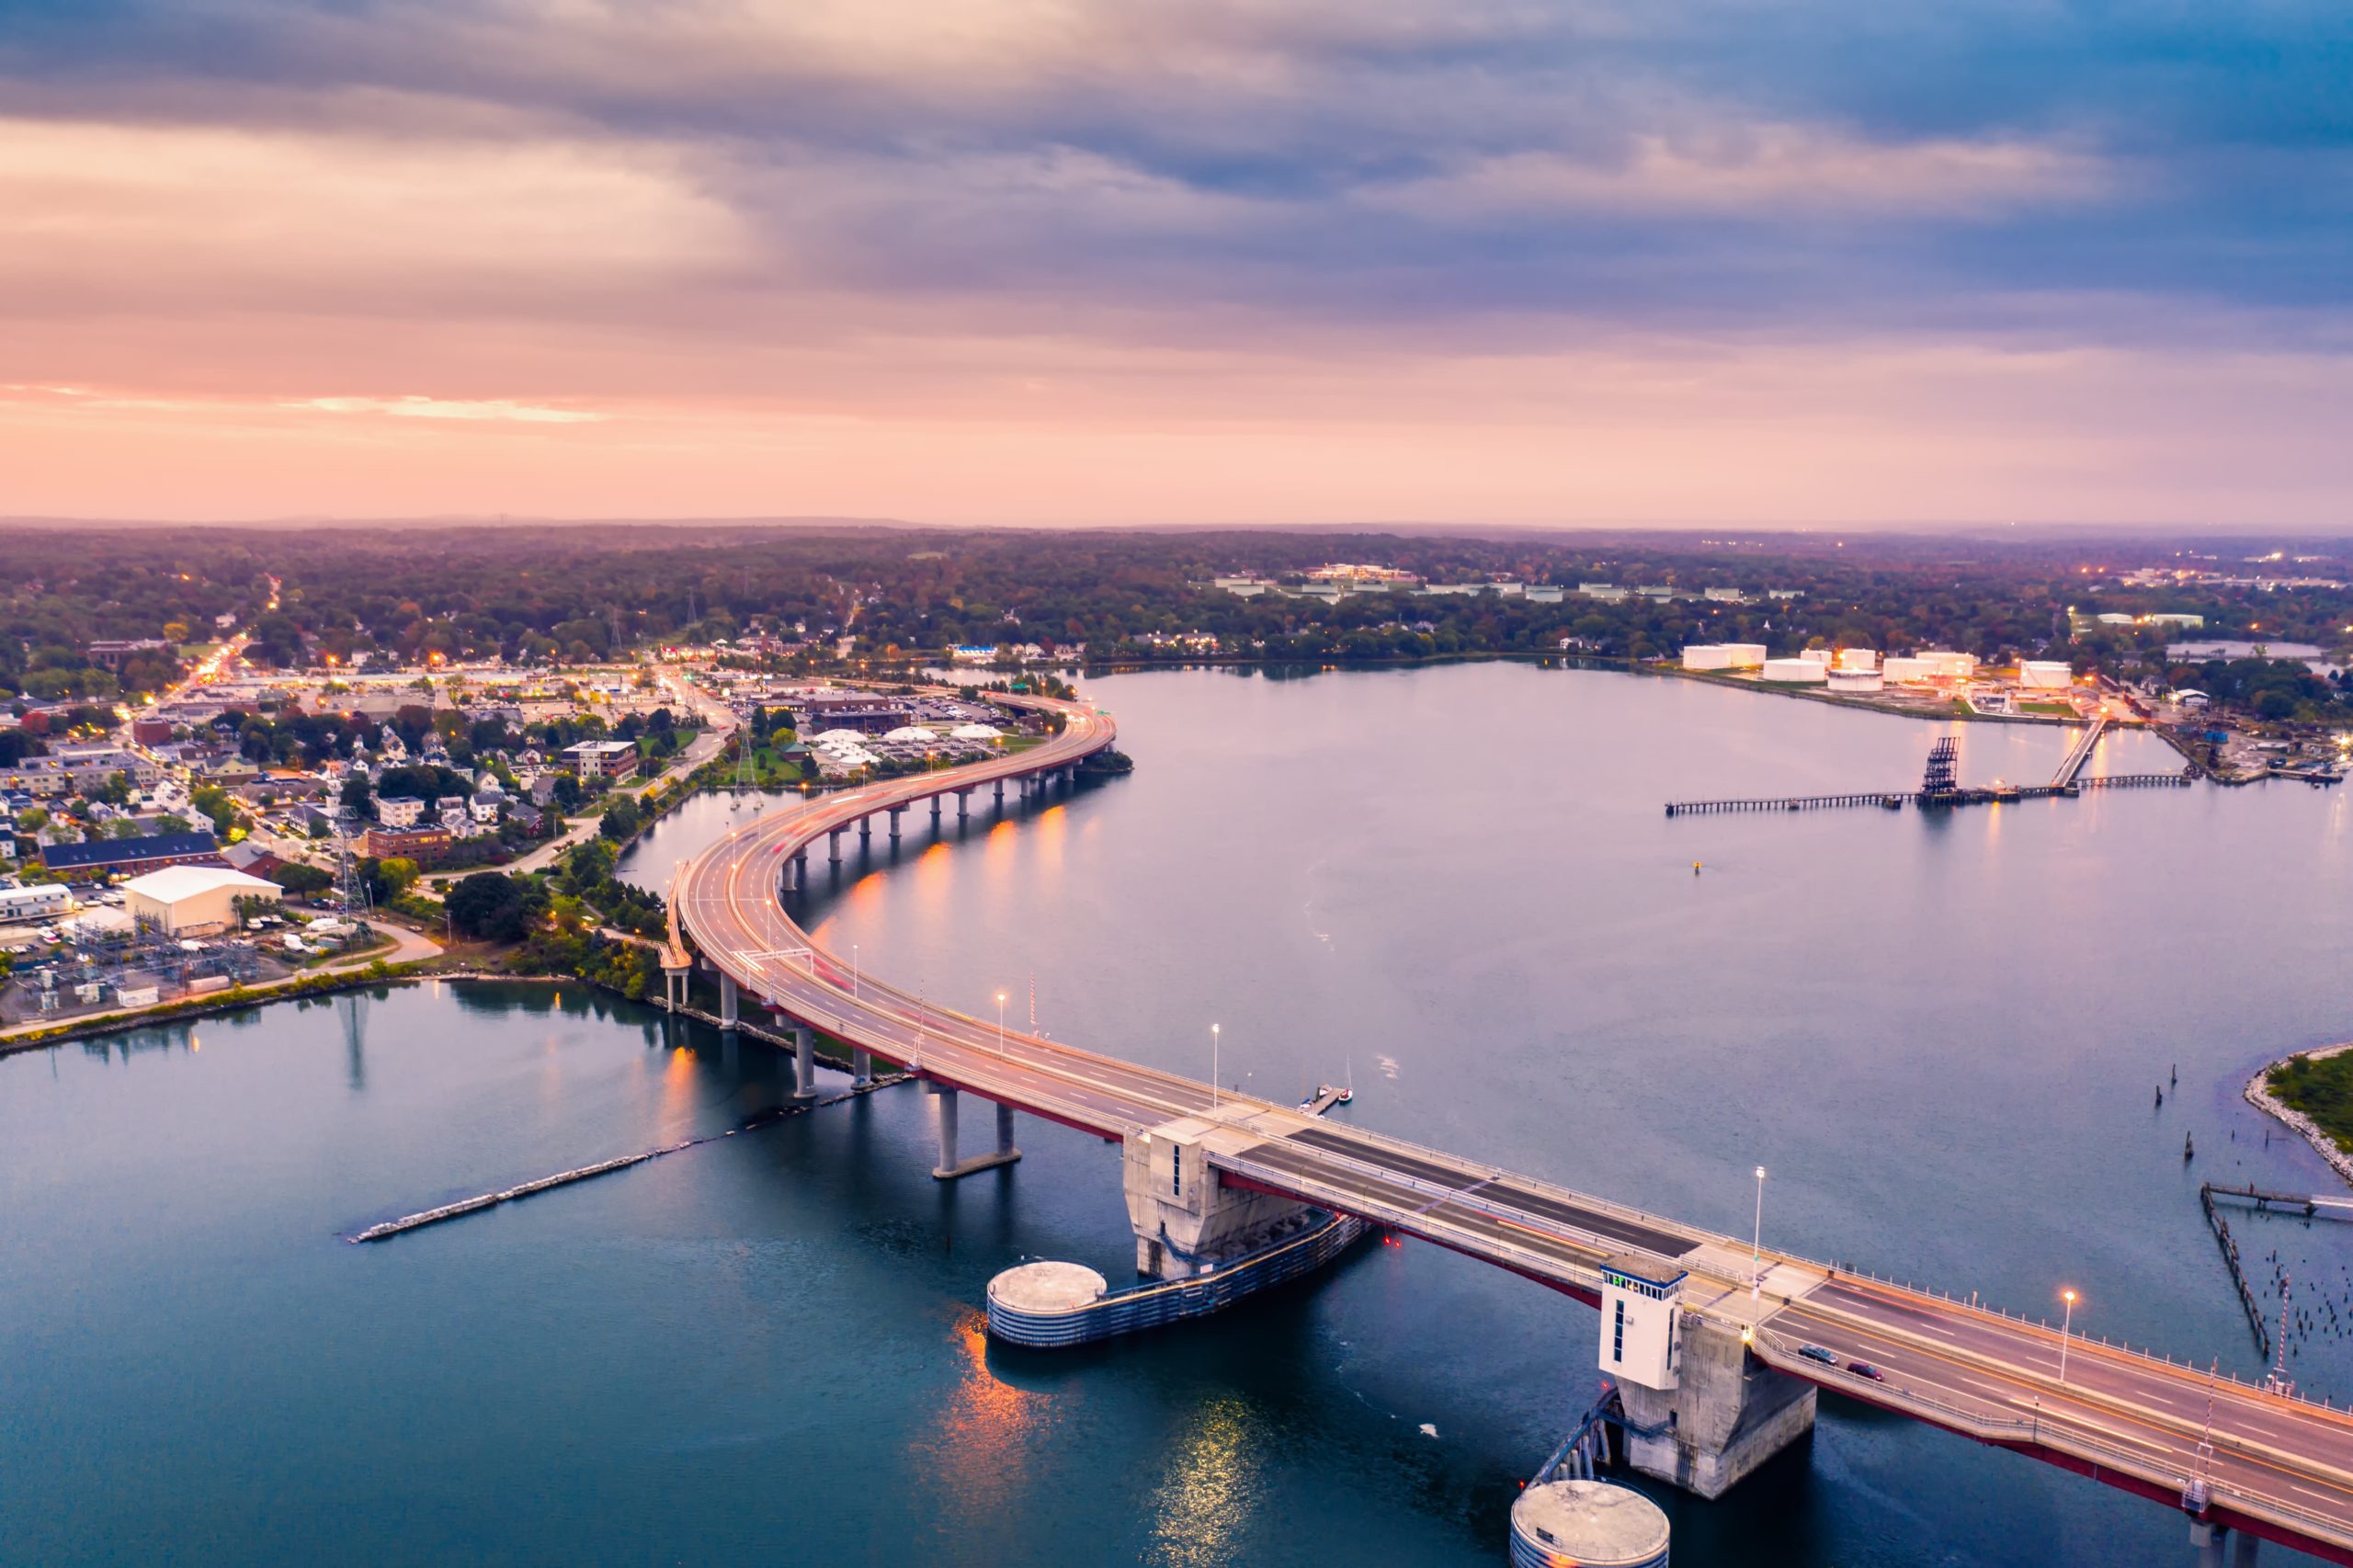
(2066, 1320)
(1214, 1043)
(1000, 1023)
(1756, 1244)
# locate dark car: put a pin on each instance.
(1865, 1369)
(1816, 1353)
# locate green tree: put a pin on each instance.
(488, 904)
(621, 817)
(399, 873)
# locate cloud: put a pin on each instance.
(416, 407)
(505, 223)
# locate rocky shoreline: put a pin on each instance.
(2259, 1095)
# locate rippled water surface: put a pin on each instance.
(1941, 1035)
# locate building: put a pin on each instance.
(42, 901)
(131, 856)
(1797, 672)
(1857, 681)
(111, 651)
(399, 810)
(192, 899)
(1857, 661)
(1724, 655)
(151, 732)
(848, 710)
(1945, 664)
(602, 759)
(2045, 675)
(425, 843)
(1903, 667)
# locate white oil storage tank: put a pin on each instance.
(1797, 672)
(1590, 1523)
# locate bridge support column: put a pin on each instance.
(949, 1167)
(800, 871)
(726, 999)
(674, 980)
(834, 846)
(895, 822)
(2207, 1542)
(866, 829)
(963, 804)
(935, 811)
(861, 1066)
(1000, 791)
(1723, 1412)
(1186, 1218)
(804, 1062)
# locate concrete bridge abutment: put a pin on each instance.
(728, 1000)
(1702, 1411)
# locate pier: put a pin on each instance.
(1887, 800)
(2224, 1239)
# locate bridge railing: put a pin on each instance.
(2056, 1432)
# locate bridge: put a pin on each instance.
(1210, 1174)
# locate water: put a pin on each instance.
(1941, 1035)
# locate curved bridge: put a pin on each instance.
(2266, 1463)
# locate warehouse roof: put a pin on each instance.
(174, 883)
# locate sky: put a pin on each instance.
(1470, 262)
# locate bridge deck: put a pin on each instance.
(2280, 1467)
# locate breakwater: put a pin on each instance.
(480, 1201)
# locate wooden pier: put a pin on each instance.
(1887, 800)
(2224, 1239)
(1896, 799)
(2295, 1204)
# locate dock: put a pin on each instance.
(2224, 1240)
(1326, 1097)
(1896, 799)
(2309, 1206)
(1886, 800)
(480, 1201)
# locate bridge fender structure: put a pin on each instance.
(1728, 1413)
(1188, 1221)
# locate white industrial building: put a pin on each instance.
(42, 901)
(1945, 664)
(2045, 675)
(1800, 671)
(1724, 655)
(183, 899)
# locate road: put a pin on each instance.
(2275, 1466)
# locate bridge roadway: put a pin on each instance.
(2274, 1466)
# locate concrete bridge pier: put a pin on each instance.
(1702, 1411)
(861, 1066)
(935, 811)
(2207, 1541)
(675, 978)
(866, 829)
(949, 1167)
(1186, 1218)
(834, 845)
(1000, 791)
(804, 1062)
(895, 811)
(800, 871)
(727, 1000)
(963, 805)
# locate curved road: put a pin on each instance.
(2274, 1466)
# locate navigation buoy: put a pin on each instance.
(1695, 867)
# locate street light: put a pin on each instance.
(853, 972)
(1000, 1023)
(1756, 1244)
(2067, 1296)
(1214, 1067)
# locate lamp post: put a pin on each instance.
(1756, 1244)
(853, 972)
(1000, 1023)
(1214, 1043)
(2065, 1321)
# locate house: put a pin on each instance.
(399, 810)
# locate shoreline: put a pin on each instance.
(2258, 1095)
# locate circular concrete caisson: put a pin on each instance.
(1590, 1524)
(1047, 1288)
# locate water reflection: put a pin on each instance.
(1201, 1509)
